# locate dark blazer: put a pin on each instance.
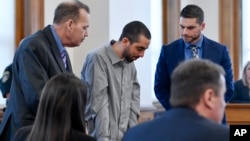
(241, 93)
(36, 60)
(178, 124)
(171, 55)
(22, 134)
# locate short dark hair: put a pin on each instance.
(69, 10)
(193, 11)
(191, 78)
(133, 30)
(61, 109)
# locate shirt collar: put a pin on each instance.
(112, 55)
(58, 41)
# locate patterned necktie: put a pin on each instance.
(63, 55)
(194, 50)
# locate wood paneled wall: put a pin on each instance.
(171, 14)
(230, 30)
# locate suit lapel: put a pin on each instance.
(54, 49)
(207, 49)
(180, 51)
(58, 58)
(176, 55)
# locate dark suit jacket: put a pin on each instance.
(36, 60)
(178, 124)
(171, 55)
(241, 93)
(22, 134)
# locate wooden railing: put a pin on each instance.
(235, 113)
(238, 114)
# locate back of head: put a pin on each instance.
(191, 78)
(193, 11)
(69, 10)
(133, 30)
(60, 110)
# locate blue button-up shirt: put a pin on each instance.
(188, 52)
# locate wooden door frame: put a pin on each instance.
(29, 18)
(230, 18)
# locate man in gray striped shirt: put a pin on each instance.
(113, 103)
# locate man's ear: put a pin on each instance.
(125, 41)
(207, 98)
(203, 25)
(69, 24)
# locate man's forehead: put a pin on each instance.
(190, 21)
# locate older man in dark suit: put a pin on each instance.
(39, 57)
(198, 107)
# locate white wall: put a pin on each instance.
(246, 34)
(7, 37)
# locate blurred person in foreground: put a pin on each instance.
(60, 114)
(197, 97)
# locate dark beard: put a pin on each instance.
(195, 38)
(127, 57)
